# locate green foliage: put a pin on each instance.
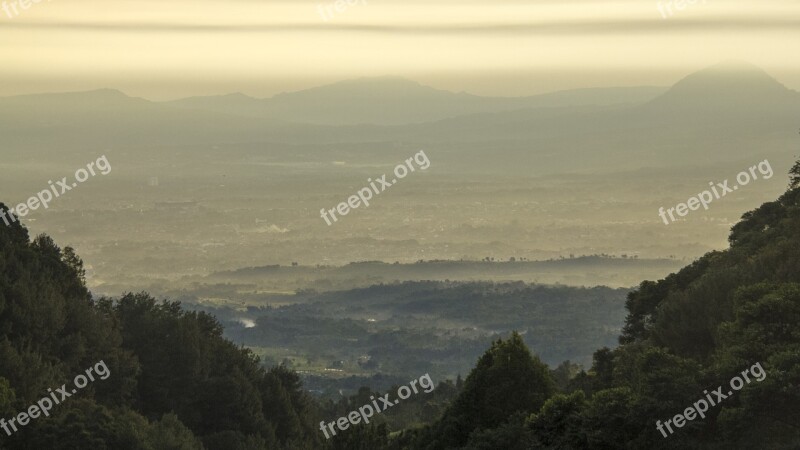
(794, 176)
(511, 435)
(608, 419)
(7, 397)
(564, 374)
(212, 385)
(560, 422)
(507, 380)
(170, 433)
(765, 332)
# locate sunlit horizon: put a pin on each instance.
(165, 51)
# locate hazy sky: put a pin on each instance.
(173, 48)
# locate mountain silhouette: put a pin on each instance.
(399, 101)
(730, 84)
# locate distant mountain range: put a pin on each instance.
(397, 101)
(724, 112)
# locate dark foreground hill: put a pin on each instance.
(169, 380)
(710, 358)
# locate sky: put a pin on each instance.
(169, 49)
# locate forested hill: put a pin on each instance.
(686, 339)
(174, 382)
